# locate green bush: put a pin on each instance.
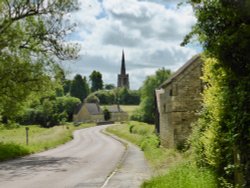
(50, 112)
(141, 128)
(150, 142)
(11, 151)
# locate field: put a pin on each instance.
(127, 108)
(13, 141)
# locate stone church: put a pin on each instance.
(178, 101)
(123, 78)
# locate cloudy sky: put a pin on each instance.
(149, 31)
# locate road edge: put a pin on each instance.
(121, 161)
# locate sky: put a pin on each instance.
(149, 32)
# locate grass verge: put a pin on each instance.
(13, 141)
(171, 168)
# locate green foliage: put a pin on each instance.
(109, 86)
(105, 96)
(50, 112)
(107, 114)
(92, 99)
(66, 86)
(68, 105)
(146, 111)
(32, 36)
(11, 151)
(118, 95)
(142, 135)
(13, 141)
(79, 87)
(223, 28)
(96, 81)
(216, 136)
(128, 97)
(183, 176)
(180, 173)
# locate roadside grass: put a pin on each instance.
(142, 135)
(183, 176)
(171, 168)
(129, 108)
(13, 141)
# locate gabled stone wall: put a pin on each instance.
(180, 103)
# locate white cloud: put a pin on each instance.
(150, 32)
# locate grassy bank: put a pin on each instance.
(13, 141)
(171, 168)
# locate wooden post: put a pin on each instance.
(27, 135)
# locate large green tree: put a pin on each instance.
(96, 81)
(79, 87)
(223, 28)
(146, 110)
(31, 39)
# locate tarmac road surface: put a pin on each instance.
(91, 160)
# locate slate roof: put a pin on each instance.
(93, 108)
(180, 70)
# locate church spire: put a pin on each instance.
(123, 68)
(123, 78)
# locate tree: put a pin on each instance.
(146, 111)
(223, 28)
(79, 87)
(109, 86)
(96, 81)
(50, 111)
(107, 114)
(66, 87)
(31, 38)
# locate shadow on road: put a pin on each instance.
(34, 164)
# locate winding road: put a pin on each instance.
(91, 160)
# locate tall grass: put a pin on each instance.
(172, 169)
(143, 135)
(183, 176)
(13, 141)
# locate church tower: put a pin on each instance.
(123, 78)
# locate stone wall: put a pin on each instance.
(180, 103)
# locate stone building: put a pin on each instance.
(178, 101)
(123, 78)
(117, 114)
(88, 112)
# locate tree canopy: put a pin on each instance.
(223, 28)
(79, 87)
(96, 81)
(31, 38)
(146, 110)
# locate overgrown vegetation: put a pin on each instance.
(146, 111)
(32, 39)
(13, 139)
(171, 168)
(114, 96)
(183, 176)
(222, 136)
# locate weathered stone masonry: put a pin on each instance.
(178, 103)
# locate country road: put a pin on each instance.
(90, 160)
